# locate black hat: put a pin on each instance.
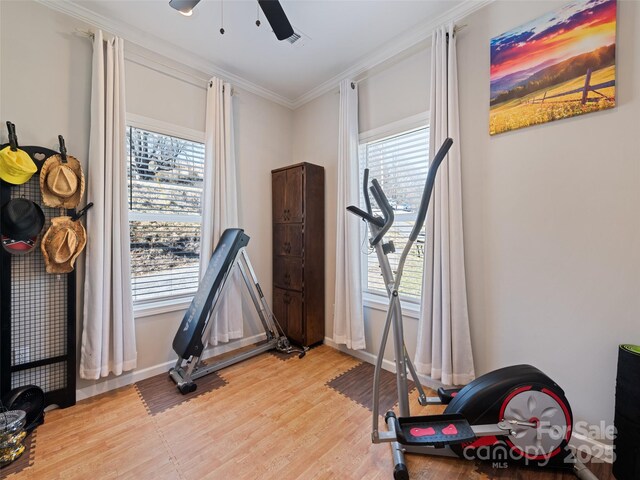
(21, 219)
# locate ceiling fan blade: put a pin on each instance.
(183, 6)
(277, 18)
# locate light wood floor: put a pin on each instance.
(274, 420)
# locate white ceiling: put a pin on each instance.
(340, 33)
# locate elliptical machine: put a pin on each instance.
(514, 414)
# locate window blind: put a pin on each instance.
(165, 180)
(400, 164)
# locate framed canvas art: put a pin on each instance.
(557, 66)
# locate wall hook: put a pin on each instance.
(82, 212)
(63, 149)
(13, 138)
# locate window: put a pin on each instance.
(165, 181)
(400, 164)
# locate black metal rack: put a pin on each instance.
(37, 309)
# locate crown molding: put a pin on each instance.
(170, 68)
(162, 47)
(394, 49)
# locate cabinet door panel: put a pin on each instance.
(288, 239)
(280, 300)
(279, 272)
(278, 194)
(288, 273)
(295, 240)
(280, 242)
(295, 318)
(296, 273)
(294, 203)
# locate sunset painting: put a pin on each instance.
(557, 66)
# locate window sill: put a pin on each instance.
(159, 307)
(379, 302)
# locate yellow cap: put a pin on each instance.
(16, 167)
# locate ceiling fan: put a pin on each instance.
(271, 8)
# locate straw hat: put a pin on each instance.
(16, 166)
(61, 182)
(62, 244)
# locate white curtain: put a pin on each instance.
(220, 205)
(348, 320)
(444, 345)
(108, 335)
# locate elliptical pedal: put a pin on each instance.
(446, 395)
(433, 430)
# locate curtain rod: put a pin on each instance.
(85, 33)
(130, 56)
(459, 28)
(89, 34)
(233, 90)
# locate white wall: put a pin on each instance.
(183, 90)
(45, 91)
(44, 77)
(552, 223)
(398, 91)
(551, 213)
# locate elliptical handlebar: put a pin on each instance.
(368, 215)
(365, 182)
(385, 223)
(382, 223)
(385, 208)
(377, 221)
(428, 188)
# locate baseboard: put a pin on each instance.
(386, 364)
(593, 448)
(129, 378)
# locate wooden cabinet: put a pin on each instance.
(298, 251)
